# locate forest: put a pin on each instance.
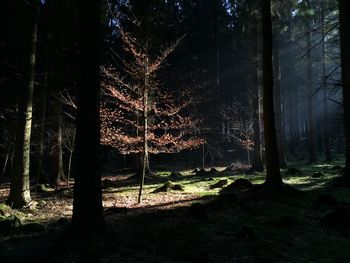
(175, 131)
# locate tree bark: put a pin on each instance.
(273, 175)
(310, 96)
(58, 171)
(20, 184)
(257, 164)
(40, 171)
(344, 18)
(278, 106)
(43, 100)
(145, 161)
(87, 205)
(327, 147)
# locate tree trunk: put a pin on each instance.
(43, 102)
(20, 184)
(5, 163)
(40, 171)
(278, 106)
(293, 122)
(257, 164)
(87, 205)
(310, 96)
(145, 161)
(273, 175)
(325, 90)
(71, 158)
(344, 17)
(58, 171)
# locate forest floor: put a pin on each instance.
(192, 224)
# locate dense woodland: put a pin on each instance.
(175, 131)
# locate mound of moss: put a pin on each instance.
(239, 184)
(317, 175)
(202, 173)
(44, 188)
(175, 175)
(219, 184)
(293, 171)
(169, 186)
(106, 183)
(5, 210)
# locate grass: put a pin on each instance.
(255, 227)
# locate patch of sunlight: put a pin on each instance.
(163, 173)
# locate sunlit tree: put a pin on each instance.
(137, 114)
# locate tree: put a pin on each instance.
(138, 115)
(240, 122)
(273, 175)
(20, 184)
(344, 19)
(278, 104)
(87, 204)
(310, 93)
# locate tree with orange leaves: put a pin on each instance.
(137, 115)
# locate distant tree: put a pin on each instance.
(87, 205)
(20, 184)
(273, 175)
(344, 18)
(137, 115)
(240, 126)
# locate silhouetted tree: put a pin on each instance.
(20, 184)
(87, 204)
(273, 175)
(344, 18)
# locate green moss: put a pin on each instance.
(169, 186)
(5, 210)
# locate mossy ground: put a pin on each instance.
(255, 226)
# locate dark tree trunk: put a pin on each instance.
(58, 87)
(310, 95)
(325, 90)
(344, 17)
(278, 106)
(20, 184)
(44, 93)
(257, 164)
(292, 121)
(57, 158)
(273, 175)
(41, 131)
(87, 204)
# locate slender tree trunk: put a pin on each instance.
(58, 171)
(40, 172)
(57, 158)
(203, 156)
(71, 158)
(344, 17)
(20, 184)
(257, 164)
(325, 90)
(293, 123)
(145, 161)
(43, 101)
(87, 205)
(278, 106)
(5, 163)
(273, 175)
(310, 96)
